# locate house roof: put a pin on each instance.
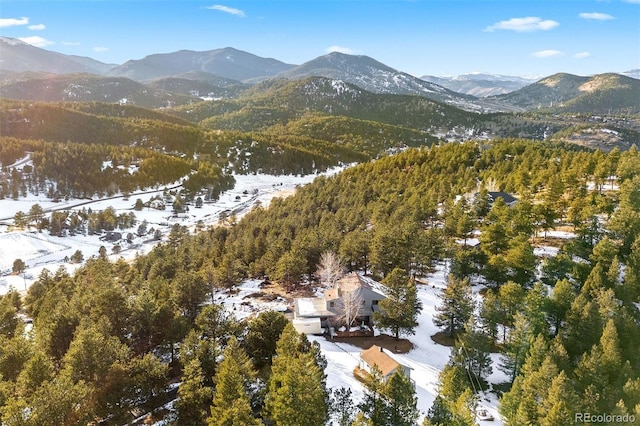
(311, 307)
(375, 355)
(508, 198)
(346, 284)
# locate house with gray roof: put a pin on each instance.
(329, 309)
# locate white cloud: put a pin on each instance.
(13, 22)
(340, 49)
(100, 49)
(547, 53)
(36, 41)
(70, 43)
(227, 9)
(596, 16)
(582, 55)
(528, 24)
(632, 1)
(37, 27)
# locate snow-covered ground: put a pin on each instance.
(39, 250)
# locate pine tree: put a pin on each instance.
(455, 402)
(231, 403)
(517, 346)
(562, 296)
(583, 326)
(535, 304)
(402, 401)
(490, 315)
(473, 348)
(531, 385)
(561, 402)
(399, 310)
(205, 350)
(374, 407)
(601, 372)
(193, 396)
(215, 323)
(296, 393)
(263, 334)
(456, 307)
(520, 260)
(510, 300)
(342, 407)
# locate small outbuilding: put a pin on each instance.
(377, 356)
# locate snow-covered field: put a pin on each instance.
(39, 250)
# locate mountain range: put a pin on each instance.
(480, 84)
(18, 56)
(171, 79)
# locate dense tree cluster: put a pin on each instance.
(85, 221)
(74, 170)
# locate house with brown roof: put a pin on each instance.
(330, 308)
(378, 357)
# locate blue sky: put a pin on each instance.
(437, 37)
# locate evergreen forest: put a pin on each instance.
(112, 341)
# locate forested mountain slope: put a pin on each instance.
(599, 94)
(91, 88)
(98, 334)
(277, 101)
(125, 135)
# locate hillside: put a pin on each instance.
(600, 94)
(200, 84)
(375, 77)
(88, 88)
(275, 151)
(549, 303)
(278, 101)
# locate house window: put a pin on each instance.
(332, 304)
(374, 302)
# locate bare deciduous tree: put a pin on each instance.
(330, 269)
(351, 304)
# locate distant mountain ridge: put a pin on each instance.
(278, 102)
(479, 84)
(174, 78)
(375, 77)
(227, 62)
(632, 73)
(18, 56)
